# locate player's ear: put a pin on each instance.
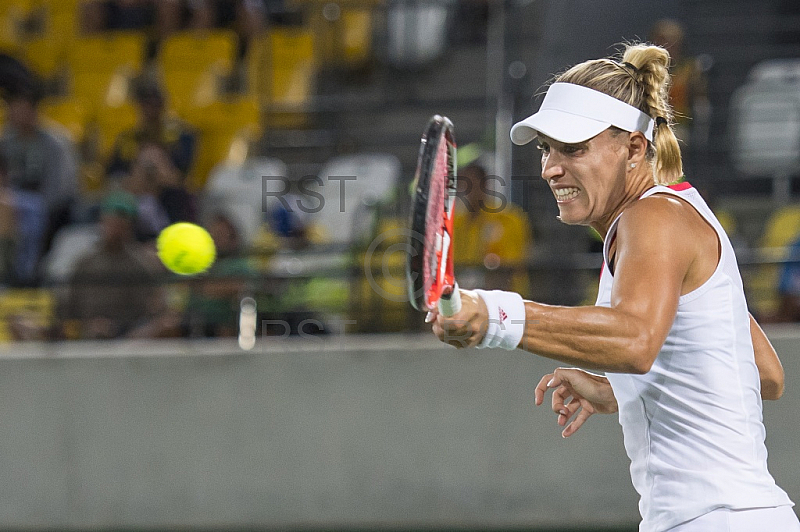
(637, 148)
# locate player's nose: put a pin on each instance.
(551, 168)
(552, 172)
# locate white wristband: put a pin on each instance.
(506, 319)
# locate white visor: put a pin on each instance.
(573, 113)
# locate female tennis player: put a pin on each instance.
(685, 363)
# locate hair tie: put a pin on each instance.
(660, 120)
(632, 67)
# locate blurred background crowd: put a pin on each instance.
(289, 129)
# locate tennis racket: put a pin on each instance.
(429, 268)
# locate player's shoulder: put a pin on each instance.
(660, 218)
(658, 210)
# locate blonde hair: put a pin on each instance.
(641, 79)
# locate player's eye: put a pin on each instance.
(545, 147)
(570, 149)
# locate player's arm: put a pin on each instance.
(655, 251)
(769, 365)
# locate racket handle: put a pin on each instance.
(449, 305)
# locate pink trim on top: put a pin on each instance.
(680, 186)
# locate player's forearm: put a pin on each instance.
(596, 338)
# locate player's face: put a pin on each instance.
(588, 178)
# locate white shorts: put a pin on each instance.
(779, 518)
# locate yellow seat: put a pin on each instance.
(225, 130)
(71, 114)
(382, 294)
(45, 55)
(187, 89)
(344, 39)
(12, 23)
(198, 50)
(103, 65)
(56, 28)
(28, 311)
(782, 228)
(62, 19)
(282, 70)
(357, 38)
(110, 122)
(191, 64)
(59, 23)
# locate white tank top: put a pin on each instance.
(692, 425)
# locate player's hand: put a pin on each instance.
(467, 327)
(577, 393)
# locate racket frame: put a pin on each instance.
(443, 290)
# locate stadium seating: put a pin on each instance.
(238, 189)
(110, 121)
(69, 245)
(25, 313)
(777, 70)
(764, 131)
(193, 62)
(380, 296)
(416, 33)
(343, 32)
(764, 123)
(281, 70)
(102, 65)
(71, 114)
(352, 185)
(47, 50)
(223, 126)
(12, 18)
(45, 56)
(781, 229)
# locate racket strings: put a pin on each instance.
(435, 215)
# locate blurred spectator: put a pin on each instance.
(14, 75)
(493, 235)
(288, 220)
(215, 298)
(248, 18)
(253, 17)
(97, 16)
(113, 291)
(689, 89)
(169, 17)
(7, 224)
(161, 18)
(154, 127)
(161, 196)
(789, 286)
(42, 166)
(209, 14)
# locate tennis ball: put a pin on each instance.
(186, 248)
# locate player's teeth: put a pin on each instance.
(565, 193)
